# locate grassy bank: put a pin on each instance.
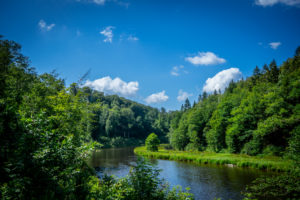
(264, 163)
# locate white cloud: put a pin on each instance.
(205, 58)
(274, 45)
(174, 71)
(113, 86)
(103, 2)
(222, 79)
(132, 38)
(44, 26)
(182, 96)
(124, 4)
(177, 70)
(157, 97)
(273, 2)
(99, 2)
(108, 33)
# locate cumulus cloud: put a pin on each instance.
(274, 45)
(157, 97)
(108, 33)
(273, 2)
(182, 96)
(114, 86)
(177, 70)
(222, 79)
(205, 58)
(44, 26)
(132, 38)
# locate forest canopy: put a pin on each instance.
(258, 115)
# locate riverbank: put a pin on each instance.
(264, 163)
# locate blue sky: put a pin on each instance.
(153, 52)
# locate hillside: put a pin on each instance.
(259, 115)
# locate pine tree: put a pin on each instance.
(199, 98)
(187, 104)
(274, 72)
(256, 71)
(182, 107)
(297, 53)
(204, 95)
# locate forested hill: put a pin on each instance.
(117, 121)
(259, 115)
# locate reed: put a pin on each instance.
(269, 163)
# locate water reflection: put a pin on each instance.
(115, 161)
(206, 182)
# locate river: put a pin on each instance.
(206, 181)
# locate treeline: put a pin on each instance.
(259, 115)
(47, 132)
(117, 121)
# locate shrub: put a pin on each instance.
(152, 142)
(166, 146)
(143, 182)
(283, 186)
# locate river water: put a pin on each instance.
(206, 181)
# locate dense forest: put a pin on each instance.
(121, 122)
(259, 115)
(47, 132)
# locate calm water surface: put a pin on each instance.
(206, 182)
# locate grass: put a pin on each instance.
(269, 163)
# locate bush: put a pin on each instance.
(190, 147)
(283, 186)
(272, 150)
(166, 146)
(152, 142)
(143, 182)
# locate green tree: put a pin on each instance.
(152, 142)
(187, 104)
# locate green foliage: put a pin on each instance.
(152, 142)
(117, 117)
(294, 145)
(283, 186)
(44, 134)
(190, 126)
(142, 183)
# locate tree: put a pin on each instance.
(152, 142)
(199, 98)
(274, 72)
(194, 104)
(256, 71)
(204, 95)
(297, 52)
(187, 104)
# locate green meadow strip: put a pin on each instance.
(264, 163)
